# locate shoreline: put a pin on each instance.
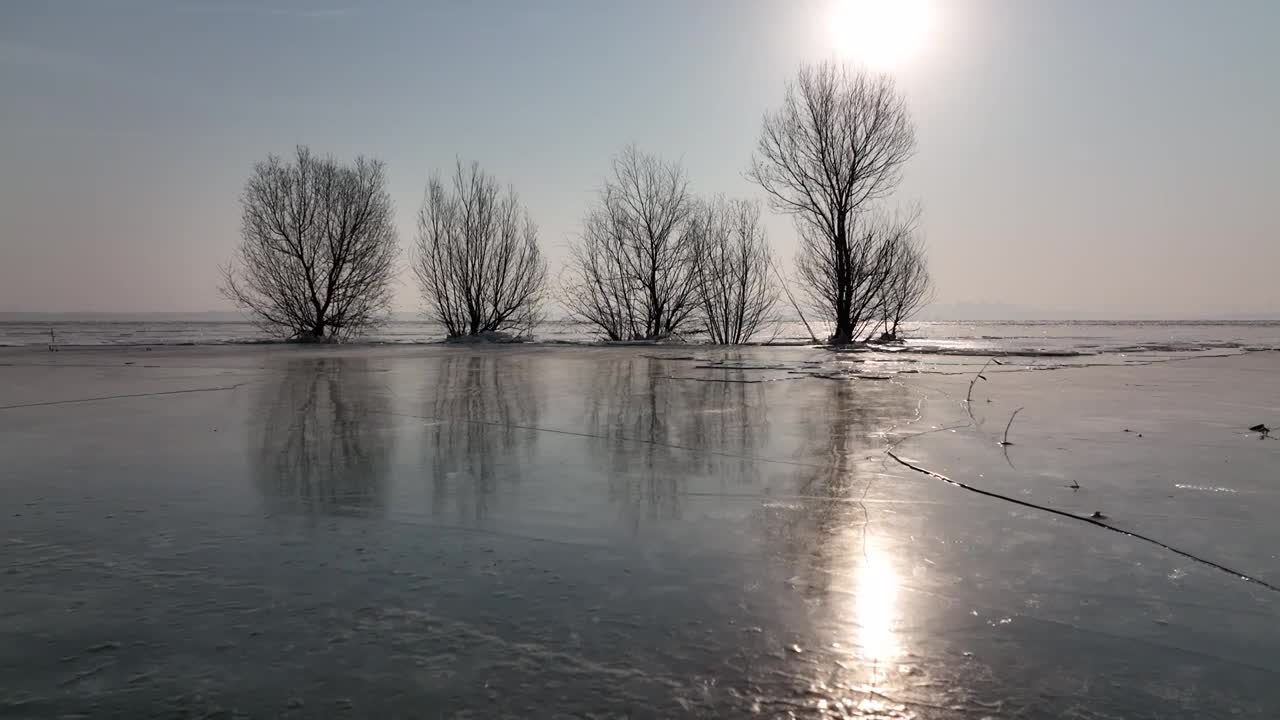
(853, 348)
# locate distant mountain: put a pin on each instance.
(1252, 317)
(212, 316)
(984, 312)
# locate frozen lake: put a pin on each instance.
(552, 531)
(1084, 338)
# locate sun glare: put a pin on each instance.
(880, 33)
(877, 605)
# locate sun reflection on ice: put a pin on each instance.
(876, 608)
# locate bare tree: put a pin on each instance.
(732, 262)
(631, 274)
(835, 146)
(478, 261)
(318, 247)
(855, 276)
(908, 286)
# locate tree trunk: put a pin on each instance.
(844, 309)
(843, 334)
(844, 327)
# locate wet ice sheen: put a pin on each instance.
(530, 531)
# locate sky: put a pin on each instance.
(1114, 159)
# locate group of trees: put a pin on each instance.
(653, 260)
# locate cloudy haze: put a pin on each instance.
(1103, 158)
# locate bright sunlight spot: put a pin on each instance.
(880, 33)
(877, 605)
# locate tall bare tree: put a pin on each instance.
(835, 146)
(478, 262)
(318, 247)
(732, 262)
(908, 286)
(631, 274)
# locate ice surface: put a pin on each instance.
(646, 532)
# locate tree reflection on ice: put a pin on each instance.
(483, 404)
(322, 447)
(659, 432)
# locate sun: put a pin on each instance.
(880, 33)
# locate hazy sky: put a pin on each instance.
(1117, 157)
